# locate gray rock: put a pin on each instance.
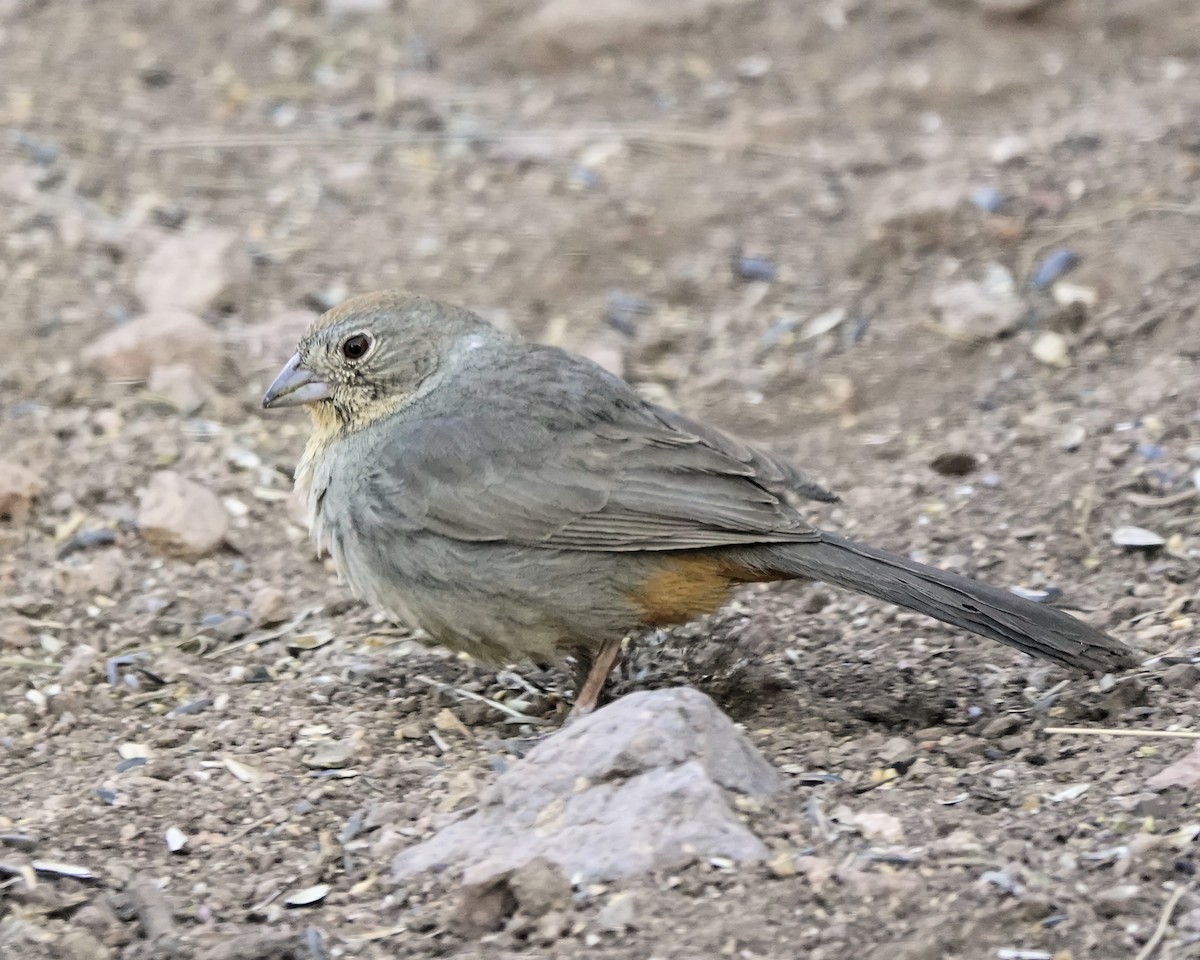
(634, 787)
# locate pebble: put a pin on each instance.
(19, 487)
(987, 199)
(1181, 676)
(343, 8)
(782, 865)
(753, 269)
(980, 309)
(268, 606)
(620, 913)
(1050, 348)
(1072, 437)
(1066, 294)
(15, 633)
(1052, 266)
(557, 33)
(1001, 726)
(954, 464)
(540, 887)
(1115, 900)
(181, 386)
(754, 67)
(1014, 8)
(622, 311)
(180, 518)
(193, 272)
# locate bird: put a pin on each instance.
(517, 502)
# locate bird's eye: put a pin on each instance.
(356, 347)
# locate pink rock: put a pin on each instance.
(194, 272)
(180, 518)
(158, 339)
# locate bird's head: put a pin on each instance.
(369, 356)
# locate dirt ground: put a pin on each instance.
(687, 201)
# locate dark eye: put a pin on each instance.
(356, 347)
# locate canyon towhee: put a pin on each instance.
(517, 501)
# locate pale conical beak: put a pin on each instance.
(296, 384)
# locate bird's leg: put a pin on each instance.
(598, 669)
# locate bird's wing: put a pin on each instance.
(631, 478)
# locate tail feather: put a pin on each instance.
(988, 611)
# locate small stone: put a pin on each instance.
(1181, 676)
(954, 464)
(782, 865)
(549, 928)
(1009, 150)
(193, 272)
(1116, 900)
(179, 518)
(753, 269)
(1184, 772)
(1014, 8)
(101, 574)
(345, 8)
(159, 338)
(19, 487)
(268, 606)
(879, 825)
(980, 310)
(15, 633)
(81, 945)
(1050, 348)
(181, 386)
(1052, 266)
(618, 914)
(1001, 726)
(561, 32)
(1067, 294)
(754, 67)
(482, 908)
(331, 754)
(540, 887)
(1072, 437)
(79, 663)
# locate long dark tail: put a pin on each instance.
(987, 611)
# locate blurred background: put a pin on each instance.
(944, 253)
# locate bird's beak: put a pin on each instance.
(296, 384)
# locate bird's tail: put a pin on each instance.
(988, 611)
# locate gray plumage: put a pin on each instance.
(511, 499)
